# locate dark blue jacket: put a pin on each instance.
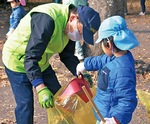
(17, 14)
(116, 88)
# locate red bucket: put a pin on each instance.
(75, 87)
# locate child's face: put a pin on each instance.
(14, 4)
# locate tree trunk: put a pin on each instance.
(106, 8)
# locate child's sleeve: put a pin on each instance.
(95, 63)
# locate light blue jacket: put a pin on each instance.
(116, 88)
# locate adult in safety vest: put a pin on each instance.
(47, 29)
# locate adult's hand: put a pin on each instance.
(46, 98)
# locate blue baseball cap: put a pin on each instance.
(90, 20)
(116, 26)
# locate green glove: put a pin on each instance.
(45, 98)
(88, 78)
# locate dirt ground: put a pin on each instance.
(140, 26)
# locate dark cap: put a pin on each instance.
(91, 22)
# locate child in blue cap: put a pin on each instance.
(116, 88)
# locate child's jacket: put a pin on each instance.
(17, 14)
(116, 88)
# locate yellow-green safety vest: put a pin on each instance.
(13, 53)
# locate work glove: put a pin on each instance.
(80, 68)
(46, 98)
(109, 121)
(88, 78)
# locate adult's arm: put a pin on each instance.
(42, 27)
(68, 58)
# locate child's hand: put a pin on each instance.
(109, 121)
(80, 68)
